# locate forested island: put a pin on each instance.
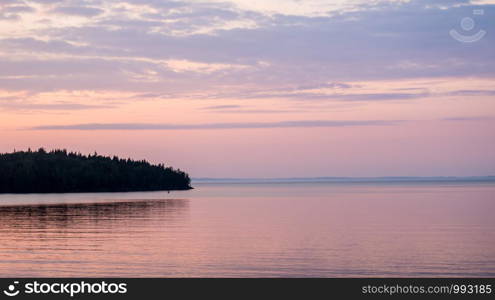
(59, 171)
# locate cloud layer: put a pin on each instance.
(237, 125)
(179, 47)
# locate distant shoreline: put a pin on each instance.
(391, 179)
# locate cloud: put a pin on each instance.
(8, 17)
(221, 107)
(239, 109)
(326, 85)
(81, 11)
(475, 118)
(473, 93)
(18, 9)
(26, 106)
(45, 1)
(209, 126)
(159, 4)
(259, 111)
(331, 92)
(342, 97)
(219, 46)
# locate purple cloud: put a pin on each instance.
(81, 11)
(243, 125)
(377, 41)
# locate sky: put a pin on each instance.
(255, 88)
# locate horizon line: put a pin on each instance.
(349, 178)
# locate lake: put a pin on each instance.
(401, 229)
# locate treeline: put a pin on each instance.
(59, 171)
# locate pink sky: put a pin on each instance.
(242, 89)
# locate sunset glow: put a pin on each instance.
(253, 88)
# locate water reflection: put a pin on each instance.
(268, 230)
(74, 215)
(90, 239)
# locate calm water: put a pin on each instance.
(254, 230)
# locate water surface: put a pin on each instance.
(254, 230)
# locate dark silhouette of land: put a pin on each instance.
(59, 171)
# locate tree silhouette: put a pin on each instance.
(59, 171)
